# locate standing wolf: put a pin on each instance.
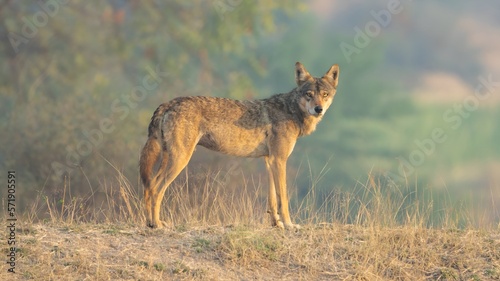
(265, 128)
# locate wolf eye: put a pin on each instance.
(309, 94)
(325, 94)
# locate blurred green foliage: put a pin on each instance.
(79, 81)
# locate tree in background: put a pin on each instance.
(80, 80)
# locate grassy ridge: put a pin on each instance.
(320, 252)
(221, 232)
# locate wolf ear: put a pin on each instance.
(333, 75)
(301, 74)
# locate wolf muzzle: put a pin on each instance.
(318, 109)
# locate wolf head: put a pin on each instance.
(316, 94)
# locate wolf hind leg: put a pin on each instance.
(149, 156)
(157, 184)
(169, 170)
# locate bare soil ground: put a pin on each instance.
(48, 251)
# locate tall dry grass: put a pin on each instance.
(221, 198)
(209, 198)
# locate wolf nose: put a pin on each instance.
(318, 109)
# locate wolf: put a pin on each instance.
(267, 128)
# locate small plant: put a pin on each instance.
(111, 231)
(179, 267)
(248, 246)
(492, 273)
(159, 266)
(144, 264)
(201, 245)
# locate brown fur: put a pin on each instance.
(265, 128)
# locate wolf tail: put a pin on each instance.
(153, 147)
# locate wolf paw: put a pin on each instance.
(287, 226)
(157, 225)
(291, 226)
(280, 225)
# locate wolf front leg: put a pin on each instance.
(278, 168)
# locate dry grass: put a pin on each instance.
(220, 232)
